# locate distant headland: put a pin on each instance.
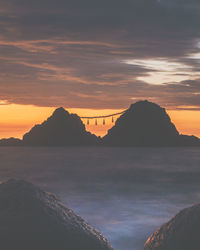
(142, 124)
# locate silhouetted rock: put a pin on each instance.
(31, 219)
(61, 129)
(10, 142)
(143, 124)
(189, 140)
(180, 233)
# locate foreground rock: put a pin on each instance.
(61, 129)
(180, 233)
(31, 219)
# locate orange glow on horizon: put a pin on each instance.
(187, 121)
(16, 120)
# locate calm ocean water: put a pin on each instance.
(126, 193)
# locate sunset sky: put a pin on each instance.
(97, 57)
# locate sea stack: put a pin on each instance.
(61, 129)
(32, 219)
(143, 124)
(181, 233)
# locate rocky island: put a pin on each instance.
(60, 129)
(143, 124)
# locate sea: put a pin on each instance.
(125, 193)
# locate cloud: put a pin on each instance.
(185, 94)
(75, 53)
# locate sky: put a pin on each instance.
(98, 56)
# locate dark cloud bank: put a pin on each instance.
(75, 53)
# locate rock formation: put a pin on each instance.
(32, 219)
(143, 124)
(189, 140)
(181, 233)
(61, 129)
(10, 142)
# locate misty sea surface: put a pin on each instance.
(126, 193)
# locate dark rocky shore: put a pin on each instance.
(31, 219)
(181, 233)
